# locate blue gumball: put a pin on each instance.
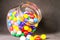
(21, 27)
(10, 14)
(22, 23)
(35, 20)
(9, 24)
(30, 33)
(27, 39)
(33, 27)
(18, 22)
(8, 21)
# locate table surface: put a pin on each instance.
(54, 36)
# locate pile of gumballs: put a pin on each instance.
(23, 24)
(36, 37)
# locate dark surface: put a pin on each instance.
(50, 10)
(55, 36)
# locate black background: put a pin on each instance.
(50, 10)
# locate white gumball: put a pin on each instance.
(22, 38)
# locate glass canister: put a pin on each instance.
(23, 20)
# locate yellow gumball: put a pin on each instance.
(35, 15)
(15, 27)
(21, 19)
(25, 16)
(36, 25)
(14, 13)
(35, 36)
(39, 18)
(43, 36)
(26, 27)
(31, 38)
(15, 19)
(18, 18)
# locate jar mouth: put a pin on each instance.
(34, 9)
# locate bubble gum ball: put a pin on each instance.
(22, 34)
(12, 22)
(22, 24)
(13, 33)
(30, 29)
(9, 24)
(27, 39)
(35, 20)
(18, 33)
(36, 25)
(14, 13)
(22, 38)
(26, 27)
(21, 19)
(15, 19)
(28, 36)
(43, 36)
(25, 32)
(31, 38)
(18, 22)
(15, 27)
(10, 14)
(27, 23)
(31, 16)
(31, 21)
(11, 28)
(25, 20)
(37, 37)
(25, 16)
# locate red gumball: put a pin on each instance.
(11, 28)
(25, 32)
(22, 30)
(38, 38)
(31, 16)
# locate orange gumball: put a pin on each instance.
(37, 38)
(29, 30)
(28, 24)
